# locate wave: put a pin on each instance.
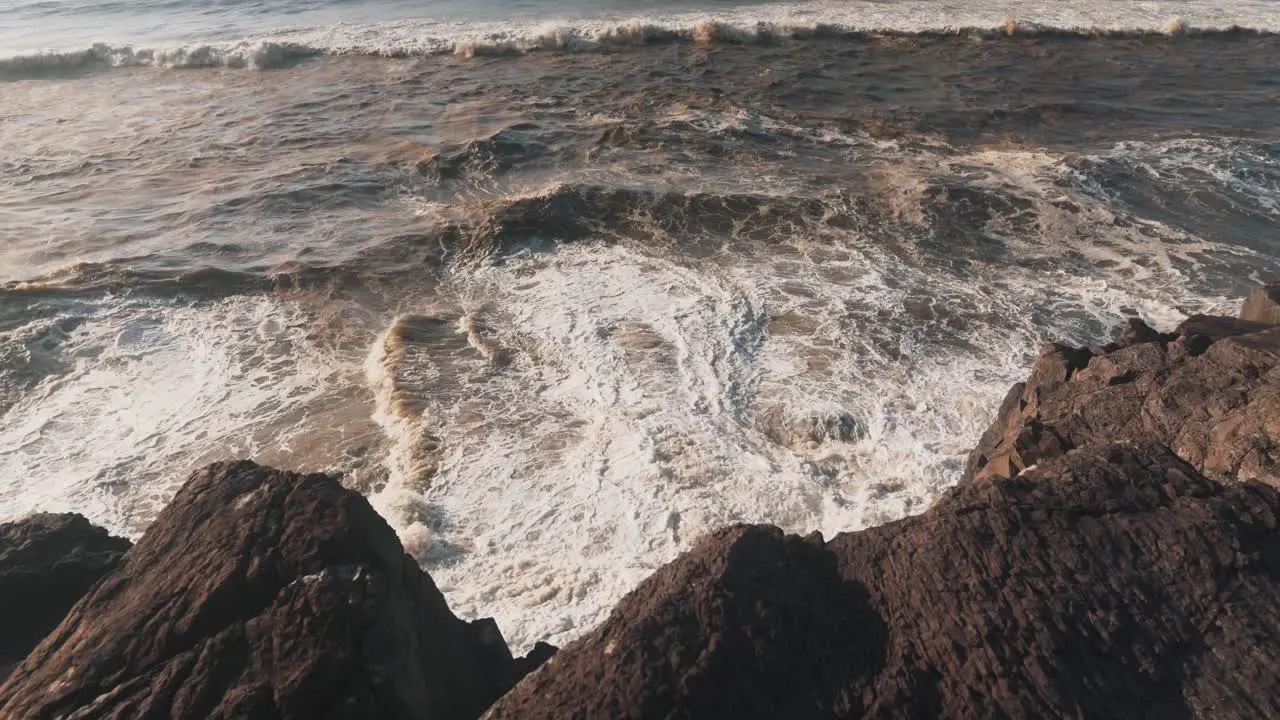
(420, 39)
(259, 55)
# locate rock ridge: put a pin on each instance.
(1112, 551)
(47, 563)
(263, 594)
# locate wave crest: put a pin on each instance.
(409, 40)
(256, 56)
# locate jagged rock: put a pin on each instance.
(263, 594)
(1110, 582)
(1113, 551)
(1136, 331)
(1216, 327)
(541, 653)
(1263, 305)
(47, 563)
(1210, 392)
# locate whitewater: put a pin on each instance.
(173, 34)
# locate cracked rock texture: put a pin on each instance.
(1115, 581)
(1112, 551)
(263, 594)
(47, 563)
(1209, 392)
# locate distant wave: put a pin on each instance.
(409, 39)
(261, 55)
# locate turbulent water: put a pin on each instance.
(561, 290)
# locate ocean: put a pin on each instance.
(561, 286)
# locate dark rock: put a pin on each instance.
(1217, 327)
(1058, 362)
(1212, 396)
(752, 623)
(539, 655)
(263, 594)
(1112, 582)
(47, 563)
(991, 438)
(1136, 331)
(1263, 305)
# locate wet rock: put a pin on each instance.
(263, 594)
(1263, 305)
(1211, 394)
(1110, 582)
(47, 563)
(539, 655)
(1136, 331)
(1216, 327)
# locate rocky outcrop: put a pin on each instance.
(263, 594)
(1110, 582)
(1210, 392)
(47, 563)
(1263, 305)
(1113, 551)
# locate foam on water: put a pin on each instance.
(579, 31)
(140, 393)
(826, 380)
(558, 422)
(1240, 170)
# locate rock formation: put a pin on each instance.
(1113, 551)
(1209, 392)
(263, 594)
(1110, 582)
(47, 563)
(1263, 305)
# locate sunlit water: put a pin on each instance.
(561, 289)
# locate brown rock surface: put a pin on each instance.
(1210, 392)
(1263, 305)
(47, 563)
(1110, 582)
(1113, 551)
(263, 594)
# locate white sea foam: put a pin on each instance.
(823, 382)
(1239, 170)
(559, 424)
(415, 37)
(250, 54)
(147, 392)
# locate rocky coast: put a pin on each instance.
(1112, 550)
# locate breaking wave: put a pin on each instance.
(408, 39)
(261, 56)
(565, 415)
(554, 332)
